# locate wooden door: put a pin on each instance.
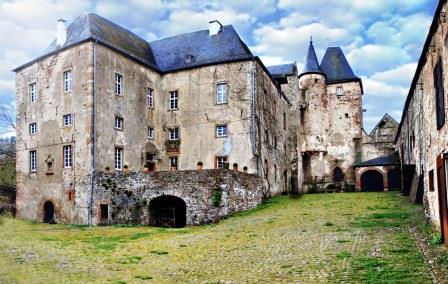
(442, 195)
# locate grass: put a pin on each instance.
(363, 238)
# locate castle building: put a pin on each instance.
(102, 101)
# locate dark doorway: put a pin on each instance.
(408, 175)
(393, 178)
(48, 212)
(372, 181)
(306, 166)
(442, 194)
(338, 175)
(168, 211)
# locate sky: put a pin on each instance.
(382, 39)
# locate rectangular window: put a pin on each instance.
(173, 163)
(33, 161)
(431, 180)
(284, 121)
(174, 100)
(174, 134)
(33, 128)
(221, 131)
(68, 81)
(220, 161)
(150, 133)
(221, 93)
(33, 92)
(104, 212)
(118, 123)
(118, 158)
(118, 84)
(68, 159)
(440, 97)
(150, 98)
(67, 120)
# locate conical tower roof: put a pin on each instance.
(311, 63)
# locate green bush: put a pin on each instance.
(216, 198)
(436, 239)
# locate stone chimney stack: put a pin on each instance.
(61, 32)
(214, 27)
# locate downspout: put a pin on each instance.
(93, 136)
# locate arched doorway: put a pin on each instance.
(168, 211)
(338, 175)
(48, 212)
(372, 181)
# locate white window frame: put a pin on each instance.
(339, 91)
(33, 128)
(173, 134)
(68, 156)
(221, 130)
(119, 123)
(220, 161)
(150, 133)
(33, 161)
(174, 100)
(33, 92)
(118, 158)
(150, 98)
(118, 84)
(67, 120)
(174, 159)
(68, 80)
(222, 93)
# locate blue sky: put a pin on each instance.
(382, 39)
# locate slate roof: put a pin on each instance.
(389, 160)
(311, 62)
(336, 67)
(283, 70)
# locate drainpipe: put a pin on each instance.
(253, 126)
(93, 136)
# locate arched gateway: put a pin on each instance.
(168, 211)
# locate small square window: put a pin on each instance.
(150, 98)
(118, 84)
(221, 131)
(67, 119)
(220, 161)
(174, 163)
(339, 91)
(150, 133)
(174, 134)
(118, 123)
(33, 128)
(33, 92)
(174, 100)
(67, 81)
(221, 93)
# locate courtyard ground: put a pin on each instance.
(319, 238)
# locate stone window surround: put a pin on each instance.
(173, 102)
(119, 123)
(98, 211)
(220, 160)
(174, 134)
(67, 156)
(222, 97)
(118, 152)
(150, 97)
(67, 120)
(150, 133)
(221, 131)
(67, 82)
(33, 161)
(118, 83)
(33, 128)
(339, 91)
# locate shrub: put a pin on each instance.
(216, 198)
(436, 239)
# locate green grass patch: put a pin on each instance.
(139, 235)
(344, 254)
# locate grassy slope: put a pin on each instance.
(322, 238)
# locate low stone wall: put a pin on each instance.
(7, 200)
(128, 196)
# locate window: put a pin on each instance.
(104, 212)
(33, 92)
(266, 136)
(275, 172)
(221, 93)
(118, 123)
(33, 128)
(67, 120)
(68, 159)
(440, 97)
(68, 81)
(174, 134)
(284, 121)
(33, 161)
(220, 161)
(339, 91)
(275, 142)
(174, 100)
(150, 133)
(431, 180)
(266, 168)
(221, 131)
(118, 84)
(118, 158)
(150, 98)
(173, 163)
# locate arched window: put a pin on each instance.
(338, 175)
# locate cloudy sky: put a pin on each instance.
(382, 39)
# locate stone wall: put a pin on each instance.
(128, 195)
(7, 200)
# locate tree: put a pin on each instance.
(7, 125)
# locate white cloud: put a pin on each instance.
(401, 75)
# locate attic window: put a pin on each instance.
(339, 91)
(189, 58)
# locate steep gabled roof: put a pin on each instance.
(311, 63)
(386, 118)
(336, 67)
(389, 160)
(283, 70)
(199, 48)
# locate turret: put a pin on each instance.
(311, 72)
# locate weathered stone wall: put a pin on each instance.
(381, 140)
(128, 195)
(7, 200)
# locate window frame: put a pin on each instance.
(32, 91)
(176, 164)
(150, 98)
(150, 133)
(175, 131)
(222, 96)
(67, 154)
(218, 164)
(223, 133)
(119, 123)
(339, 91)
(118, 84)
(69, 120)
(33, 128)
(33, 161)
(118, 153)
(67, 81)
(173, 100)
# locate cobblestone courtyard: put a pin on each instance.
(320, 238)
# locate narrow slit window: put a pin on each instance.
(118, 158)
(33, 128)
(68, 159)
(33, 92)
(150, 133)
(174, 100)
(33, 161)
(67, 81)
(150, 98)
(118, 84)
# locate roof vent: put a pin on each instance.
(214, 27)
(189, 59)
(61, 32)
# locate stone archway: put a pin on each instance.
(372, 180)
(48, 212)
(168, 211)
(338, 175)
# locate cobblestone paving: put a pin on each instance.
(321, 238)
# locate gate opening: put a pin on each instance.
(168, 211)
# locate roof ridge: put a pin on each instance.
(182, 34)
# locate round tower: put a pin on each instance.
(311, 73)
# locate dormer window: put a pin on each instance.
(339, 91)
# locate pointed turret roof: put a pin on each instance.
(336, 67)
(311, 63)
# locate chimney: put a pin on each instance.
(61, 32)
(214, 27)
